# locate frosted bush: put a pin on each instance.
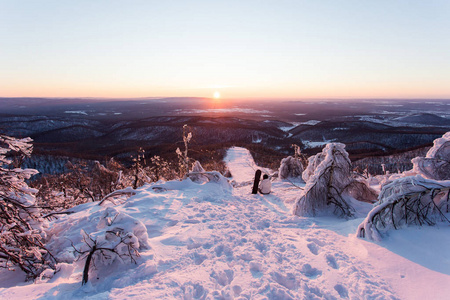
(313, 163)
(290, 167)
(411, 200)
(436, 164)
(323, 190)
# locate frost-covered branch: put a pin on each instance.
(21, 242)
(125, 192)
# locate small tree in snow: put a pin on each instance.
(21, 240)
(323, 190)
(292, 166)
(411, 200)
(116, 244)
(183, 156)
(436, 164)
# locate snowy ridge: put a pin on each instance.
(211, 241)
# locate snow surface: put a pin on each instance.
(212, 241)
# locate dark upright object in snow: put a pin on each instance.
(256, 182)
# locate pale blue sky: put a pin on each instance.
(275, 49)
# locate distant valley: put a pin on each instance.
(98, 128)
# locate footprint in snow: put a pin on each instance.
(310, 272)
(331, 261)
(288, 281)
(237, 290)
(194, 291)
(198, 258)
(313, 248)
(316, 241)
(342, 291)
(223, 277)
(256, 269)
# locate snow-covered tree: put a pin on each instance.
(21, 232)
(290, 167)
(436, 164)
(313, 162)
(323, 192)
(405, 201)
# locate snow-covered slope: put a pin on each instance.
(212, 241)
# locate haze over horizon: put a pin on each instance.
(237, 50)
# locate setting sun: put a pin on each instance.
(216, 95)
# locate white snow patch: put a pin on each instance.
(311, 144)
(80, 112)
(310, 122)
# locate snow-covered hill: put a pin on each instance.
(215, 241)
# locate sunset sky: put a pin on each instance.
(242, 49)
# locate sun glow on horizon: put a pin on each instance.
(216, 95)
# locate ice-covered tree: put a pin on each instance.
(313, 162)
(292, 167)
(21, 234)
(323, 193)
(411, 200)
(436, 164)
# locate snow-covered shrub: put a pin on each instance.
(436, 164)
(290, 167)
(405, 201)
(109, 237)
(161, 169)
(116, 244)
(324, 188)
(214, 177)
(313, 162)
(195, 174)
(21, 232)
(139, 175)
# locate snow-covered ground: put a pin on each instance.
(213, 241)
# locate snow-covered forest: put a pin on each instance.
(160, 230)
